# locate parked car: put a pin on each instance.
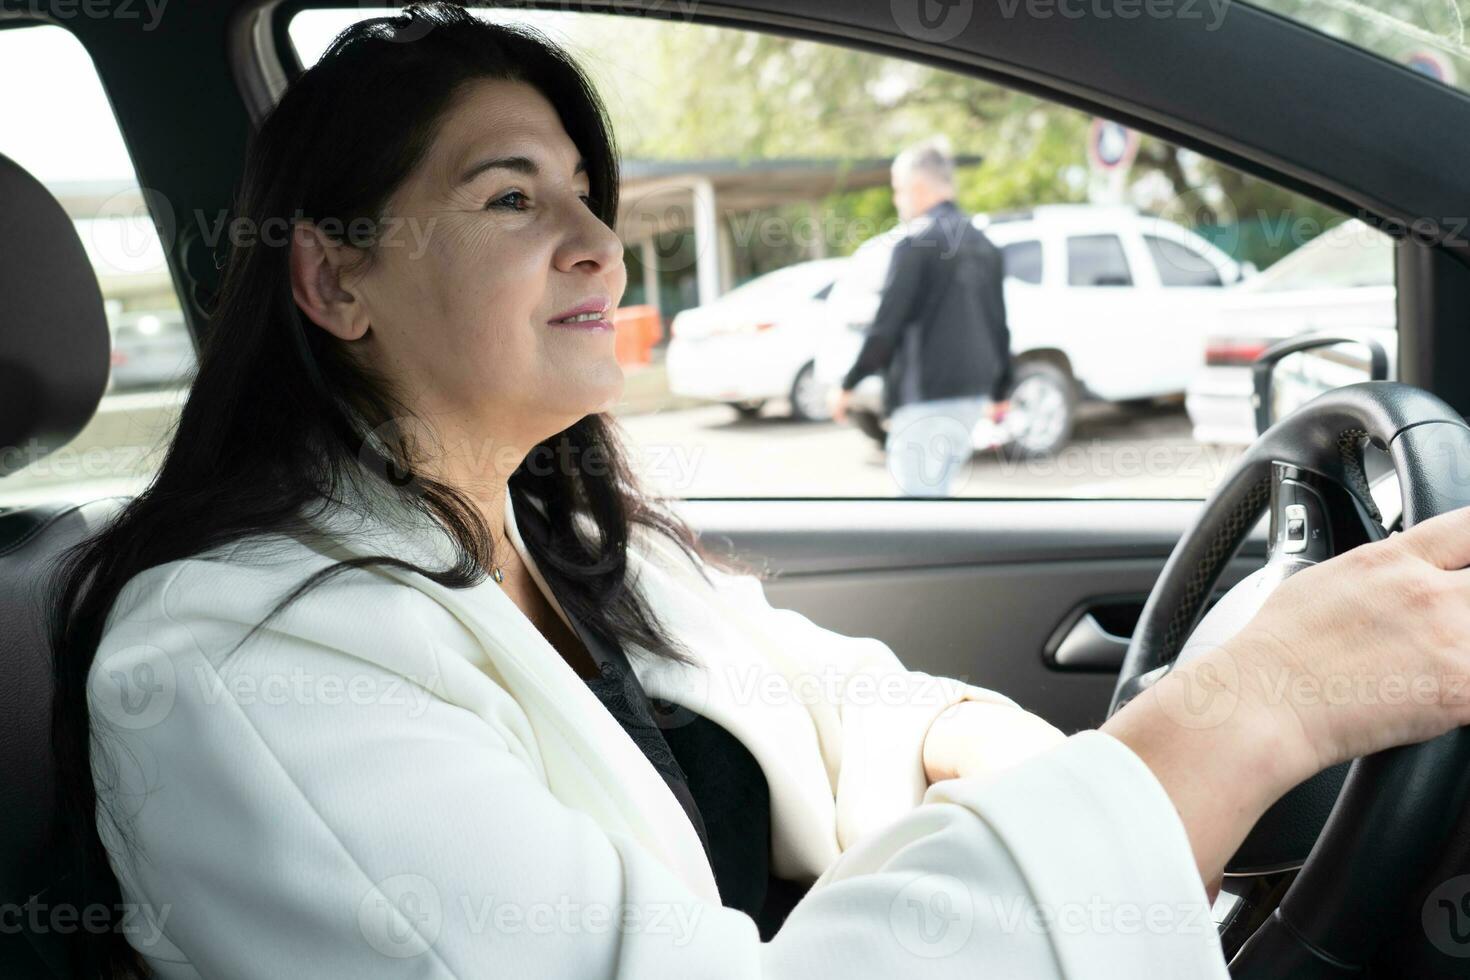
(1340, 282)
(1102, 303)
(756, 342)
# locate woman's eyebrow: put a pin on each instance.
(520, 164)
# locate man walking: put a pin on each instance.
(939, 337)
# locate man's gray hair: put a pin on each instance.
(931, 159)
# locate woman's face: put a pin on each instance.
(456, 307)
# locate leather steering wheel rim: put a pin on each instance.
(1396, 808)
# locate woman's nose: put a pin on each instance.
(591, 241)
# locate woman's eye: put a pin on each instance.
(499, 202)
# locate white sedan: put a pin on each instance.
(756, 342)
(1340, 282)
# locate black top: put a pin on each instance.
(940, 330)
(710, 771)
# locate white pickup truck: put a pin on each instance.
(1102, 302)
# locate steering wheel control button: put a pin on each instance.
(1295, 540)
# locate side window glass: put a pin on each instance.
(1022, 261)
(782, 162)
(1180, 266)
(65, 135)
(1097, 260)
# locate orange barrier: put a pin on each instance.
(638, 329)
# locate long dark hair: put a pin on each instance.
(280, 416)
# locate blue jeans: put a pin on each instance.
(929, 442)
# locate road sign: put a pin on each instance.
(1111, 146)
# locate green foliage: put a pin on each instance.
(685, 91)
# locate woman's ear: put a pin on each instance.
(317, 265)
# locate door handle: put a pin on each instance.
(1087, 646)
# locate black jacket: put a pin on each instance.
(940, 330)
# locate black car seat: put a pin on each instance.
(54, 361)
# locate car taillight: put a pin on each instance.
(1233, 351)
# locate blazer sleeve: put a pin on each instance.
(903, 289)
(871, 713)
(308, 806)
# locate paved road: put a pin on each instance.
(708, 452)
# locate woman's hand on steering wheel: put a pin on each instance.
(1362, 652)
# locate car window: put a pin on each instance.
(1349, 256)
(1123, 391)
(86, 167)
(1097, 260)
(1022, 260)
(1180, 266)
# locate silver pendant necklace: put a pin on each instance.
(497, 571)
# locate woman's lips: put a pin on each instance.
(592, 304)
(603, 324)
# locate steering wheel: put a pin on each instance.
(1364, 834)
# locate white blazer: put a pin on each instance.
(412, 782)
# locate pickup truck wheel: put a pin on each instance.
(1043, 408)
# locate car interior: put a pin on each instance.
(1065, 603)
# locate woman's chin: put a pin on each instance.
(603, 392)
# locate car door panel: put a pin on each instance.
(982, 590)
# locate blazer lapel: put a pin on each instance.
(590, 761)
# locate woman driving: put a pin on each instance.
(394, 670)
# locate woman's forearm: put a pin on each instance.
(1220, 752)
(976, 737)
(1222, 765)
